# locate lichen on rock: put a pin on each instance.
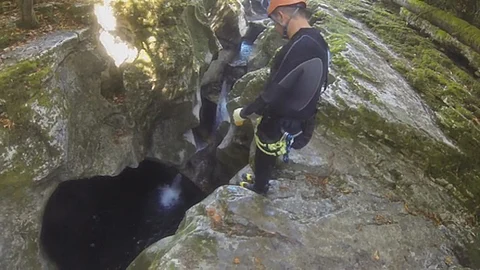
(396, 138)
(70, 113)
(444, 85)
(30, 112)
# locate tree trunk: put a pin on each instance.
(443, 38)
(28, 19)
(462, 30)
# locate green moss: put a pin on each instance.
(448, 89)
(247, 88)
(22, 85)
(442, 35)
(436, 158)
(271, 43)
(459, 28)
(204, 245)
(338, 37)
(162, 34)
(202, 36)
(350, 74)
(18, 174)
(317, 16)
(337, 43)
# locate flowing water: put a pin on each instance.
(169, 195)
(222, 113)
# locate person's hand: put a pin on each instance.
(237, 119)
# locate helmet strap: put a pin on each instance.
(285, 27)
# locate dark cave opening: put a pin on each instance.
(105, 222)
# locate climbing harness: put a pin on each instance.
(281, 147)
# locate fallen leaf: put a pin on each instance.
(324, 182)
(449, 260)
(236, 260)
(434, 217)
(382, 220)
(119, 99)
(407, 209)
(376, 256)
(7, 123)
(210, 211)
(476, 120)
(217, 218)
(258, 264)
(214, 216)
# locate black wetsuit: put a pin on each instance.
(289, 100)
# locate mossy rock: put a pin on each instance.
(465, 32)
(444, 39)
(30, 110)
(247, 88)
(57, 106)
(447, 87)
(265, 48)
(226, 19)
(27, 152)
(172, 59)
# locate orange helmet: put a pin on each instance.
(280, 3)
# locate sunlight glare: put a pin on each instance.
(119, 50)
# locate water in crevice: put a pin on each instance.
(246, 48)
(222, 113)
(105, 222)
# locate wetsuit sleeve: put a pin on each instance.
(307, 71)
(255, 107)
(274, 90)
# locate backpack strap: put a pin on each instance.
(326, 67)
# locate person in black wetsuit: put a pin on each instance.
(288, 103)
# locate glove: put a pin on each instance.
(237, 119)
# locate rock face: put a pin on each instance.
(366, 193)
(68, 112)
(255, 9)
(227, 20)
(266, 46)
(324, 211)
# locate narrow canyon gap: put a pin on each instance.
(105, 222)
